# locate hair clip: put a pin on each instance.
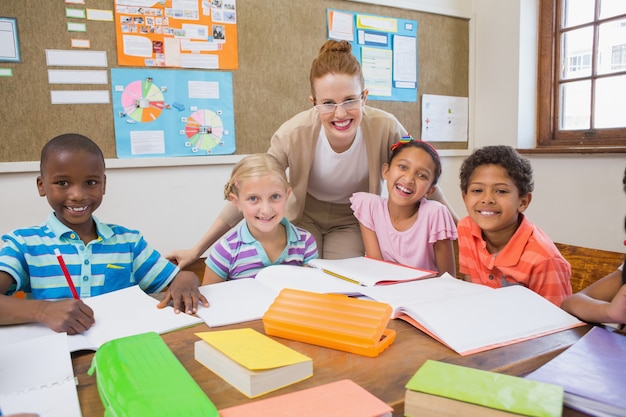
(405, 139)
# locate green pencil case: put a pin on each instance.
(140, 376)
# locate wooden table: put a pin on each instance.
(384, 376)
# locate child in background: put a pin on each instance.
(258, 187)
(604, 301)
(498, 245)
(406, 228)
(100, 257)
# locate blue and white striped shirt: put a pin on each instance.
(117, 259)
(240, 255)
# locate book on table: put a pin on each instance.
(250, 361)
(440, 389)
(369, 272)
(343, 398)
(120, 313)
(592, 371)
(469, 317)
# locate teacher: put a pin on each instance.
(332, 150)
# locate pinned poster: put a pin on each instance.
(444, 118)
(161, 113)
(386, 47)
(178, 34)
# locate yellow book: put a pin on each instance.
(250, 361)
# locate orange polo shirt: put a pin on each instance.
(530, 259)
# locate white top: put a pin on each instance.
(335, 176)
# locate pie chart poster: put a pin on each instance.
(162, 113)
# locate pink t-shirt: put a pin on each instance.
(414, 246)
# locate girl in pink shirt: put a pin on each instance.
(407, 228)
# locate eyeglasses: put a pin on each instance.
(347, 105)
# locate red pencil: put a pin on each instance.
(68, 278)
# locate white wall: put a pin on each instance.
(578, 199)
(170, 205)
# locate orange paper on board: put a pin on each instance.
(203, 35)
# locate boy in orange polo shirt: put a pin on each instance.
(498, 245)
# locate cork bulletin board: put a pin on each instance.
(277, 40)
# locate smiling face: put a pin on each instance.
(341, 125)
(409, 176)
(73, 183)
(493, 202)
(262, 201)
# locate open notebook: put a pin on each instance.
(37, 377)
(469, 317)
(119, 313)
(369, 272)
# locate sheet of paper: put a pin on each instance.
(118, 314)
(341, 25)
(405, 61)
(235, 301)
(72, 58)
(37, 377)
(377, 64)
(444, 118)
(131, 311)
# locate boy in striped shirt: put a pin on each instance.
(100, 257)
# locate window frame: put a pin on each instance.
(549, 138)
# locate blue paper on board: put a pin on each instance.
(163, 113)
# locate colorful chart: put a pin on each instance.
(163, 113)
(142, 101)
(204, 129)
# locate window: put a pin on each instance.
(582, 76)
(618, 57)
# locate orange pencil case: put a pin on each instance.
(331, 320)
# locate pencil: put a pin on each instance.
(68, 278)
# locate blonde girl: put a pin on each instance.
(259, 189)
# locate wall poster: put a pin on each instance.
(177, 33)
(386, 48)
(162, 113)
